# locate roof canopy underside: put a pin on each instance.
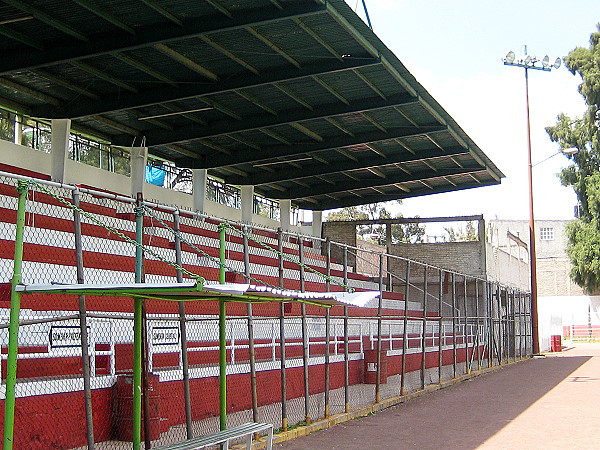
(296, 97)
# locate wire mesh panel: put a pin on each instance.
(285, 364)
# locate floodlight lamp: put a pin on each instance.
(546, 61)
(528, 60)
(510, 57)
(557, 63)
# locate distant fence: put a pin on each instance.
(287, 364)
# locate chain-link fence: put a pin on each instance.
(287, 364)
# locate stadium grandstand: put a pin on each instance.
(195, 144)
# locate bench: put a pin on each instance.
(223, 437)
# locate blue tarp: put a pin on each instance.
(155, 175)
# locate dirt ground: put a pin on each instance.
(550, 403)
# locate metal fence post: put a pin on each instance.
(183, 330)
(327, 326)
(466, 326)
(346, 338)
(489, 321)
(250, 322)
(222, 334)
(405, 330)
(517, 304)
(13, 329)
(284, 421)
(424, 335)
(500, 324)
(85, 358)
(441, 326)
(512, 328)
(477, 323)
(138, 328)
(305, 339)
(379, 325)
(454, 361)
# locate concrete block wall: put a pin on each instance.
(506, 268)
(344, 233)
(553, 278)
(368, 262)
(463, 257)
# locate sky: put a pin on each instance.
(455, 50)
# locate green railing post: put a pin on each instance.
(13, 328)
(138, 333)
(222, 336)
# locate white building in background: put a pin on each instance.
(563, 307)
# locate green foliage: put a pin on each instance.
(7, 126)
(583, 174)
(460, 234)
(408, 233)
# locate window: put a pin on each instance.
(546, 234)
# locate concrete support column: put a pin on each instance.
(61, 129)
(247, 203)
(18, 130)
(317, 222)
(199, 180)
(285, 214)
(138, 157)
(482, 242)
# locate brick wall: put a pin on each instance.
(464, 257)
(368, 262)
(344, 233)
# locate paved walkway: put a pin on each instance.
(548, 403)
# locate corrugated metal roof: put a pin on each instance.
(298, 97)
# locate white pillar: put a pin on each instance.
(199, 179)
(316, 223)
(285, 214)
(18, 130)
(61, 129)
(247, 203)
(138, 157)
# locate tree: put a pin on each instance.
(460, 234)
(583, 174)
(412, 232)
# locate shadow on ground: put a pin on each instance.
(460, 417)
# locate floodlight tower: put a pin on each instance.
(530, 62)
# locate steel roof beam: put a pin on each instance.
(111, 18)
(103, 75)
(229, 54)
(144, 68)
(164, 33)
(219, 7)
(276, 151)
(29, 91)
(311, 170)
(273, 46)
(185, 61)
(157, 137)
(318, 204)
(255, 101)
(365, 183)
(318, 39)
(47, 19)
(61, 81)
(20, 37)
(193, 90)
(162, 11)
